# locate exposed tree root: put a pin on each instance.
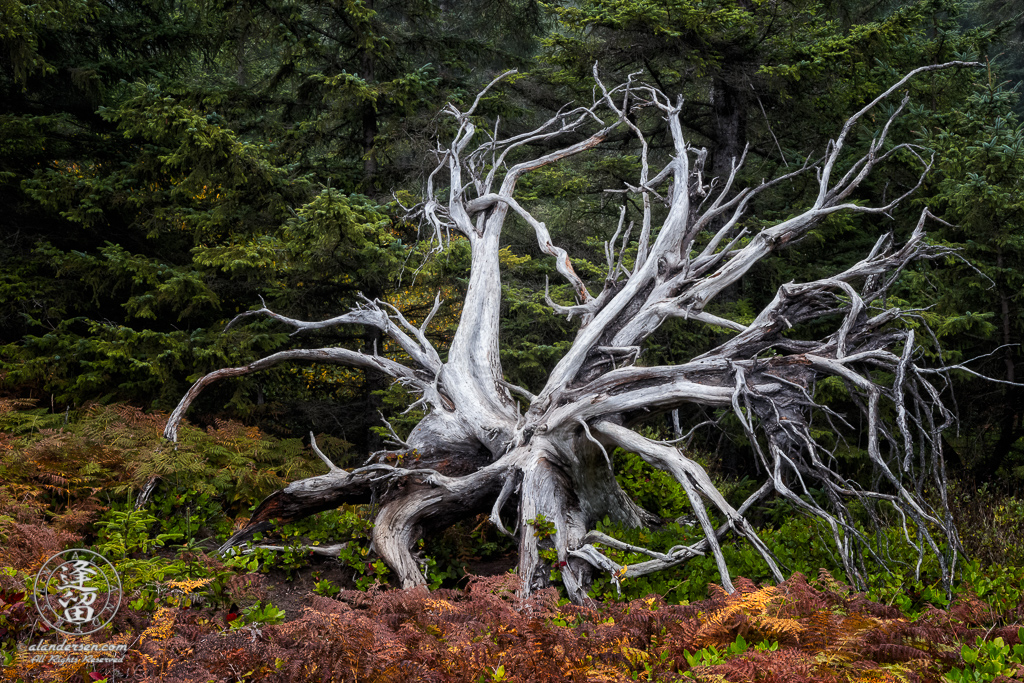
(550, 468)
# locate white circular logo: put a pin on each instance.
(77, 592)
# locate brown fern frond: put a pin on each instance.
(893, 652)
(161, 626)
(969, 609)
(861, 604)
(56, 481)
(10, 405)
(721, 627)
(756, 602)
(740, 669)
(801, 599)
(786, 631)
(28, 546)
(718, 597)
(185, 587)
(684, 635)
(402, 671)
(743, 585)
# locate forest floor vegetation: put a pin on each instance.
(318, 608)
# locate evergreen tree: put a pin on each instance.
(978, 302)
(166, 164)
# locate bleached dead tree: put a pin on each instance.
(477, 450)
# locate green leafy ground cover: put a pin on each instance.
(69, 480)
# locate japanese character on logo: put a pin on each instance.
(75, 597)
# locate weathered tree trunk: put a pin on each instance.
(549, 468)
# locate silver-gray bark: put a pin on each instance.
(478, 450)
